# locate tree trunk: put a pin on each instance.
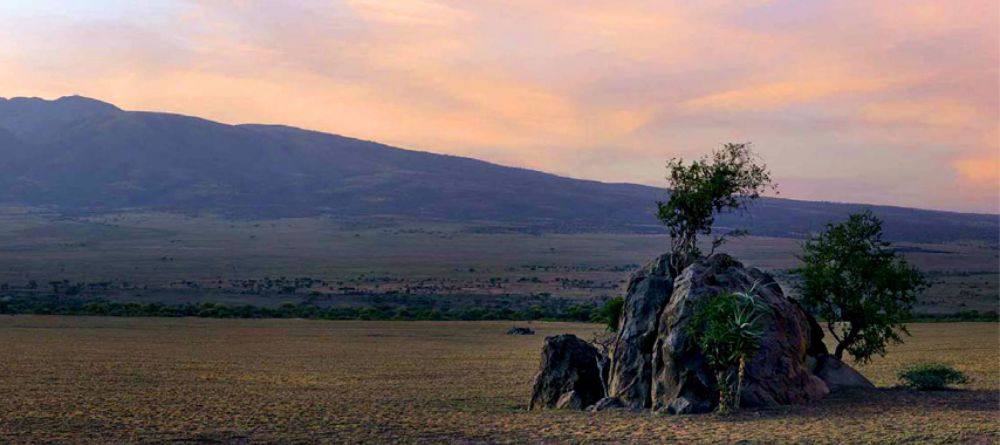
(724, 390)
(847, 341)
(728, 390)
(739, 382)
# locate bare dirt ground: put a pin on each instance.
(179, 381)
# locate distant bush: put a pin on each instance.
(611, 313)
(970, 315)
(421, 308)
(931, 376)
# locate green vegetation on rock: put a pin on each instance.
(728, 328)
(728, 180)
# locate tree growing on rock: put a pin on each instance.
(728, 329)
(853, 279)
(727, 180)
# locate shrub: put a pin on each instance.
(931, 376)
(611, 313)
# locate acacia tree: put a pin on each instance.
(729, 179)
(853, 279)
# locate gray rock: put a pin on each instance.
(839, 376)
(568, 364)
(777, 374)
(631, 375)
(684, 405)
(517, 330)
(606, 404)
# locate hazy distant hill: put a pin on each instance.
(80, 154)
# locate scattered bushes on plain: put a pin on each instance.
(414, 309)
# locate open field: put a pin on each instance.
(154, 257)
(153, 380)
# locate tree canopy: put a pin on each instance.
(728, 179)
(853, 279)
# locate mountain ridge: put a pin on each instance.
(82, 154)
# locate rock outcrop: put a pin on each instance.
(570, 375)
(655, 363)
(777, 374)
(631, 363)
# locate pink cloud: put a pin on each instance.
(900, 97)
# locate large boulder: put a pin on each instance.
(777, 374)
(838, 376)
(570, 374)
(647, 294)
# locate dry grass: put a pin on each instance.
(113, 380)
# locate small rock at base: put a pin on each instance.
(570, 400)
(839, 376)
(607, 403)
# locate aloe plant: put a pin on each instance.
(728, 328)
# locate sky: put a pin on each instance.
(872, 101)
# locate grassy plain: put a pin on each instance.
(153, 380)
(154, 257)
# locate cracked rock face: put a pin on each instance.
(777, 374)
(631, 363)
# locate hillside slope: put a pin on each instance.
(83, 155)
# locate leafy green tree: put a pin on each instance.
(853, 279)
(727, 180)
(727, 328)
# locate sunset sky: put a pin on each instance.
(889, 102)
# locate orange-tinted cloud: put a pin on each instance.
(782, 94)
(979, 170)
(899, 97)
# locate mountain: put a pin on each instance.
(83, 155)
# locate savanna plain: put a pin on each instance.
(190, 380)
